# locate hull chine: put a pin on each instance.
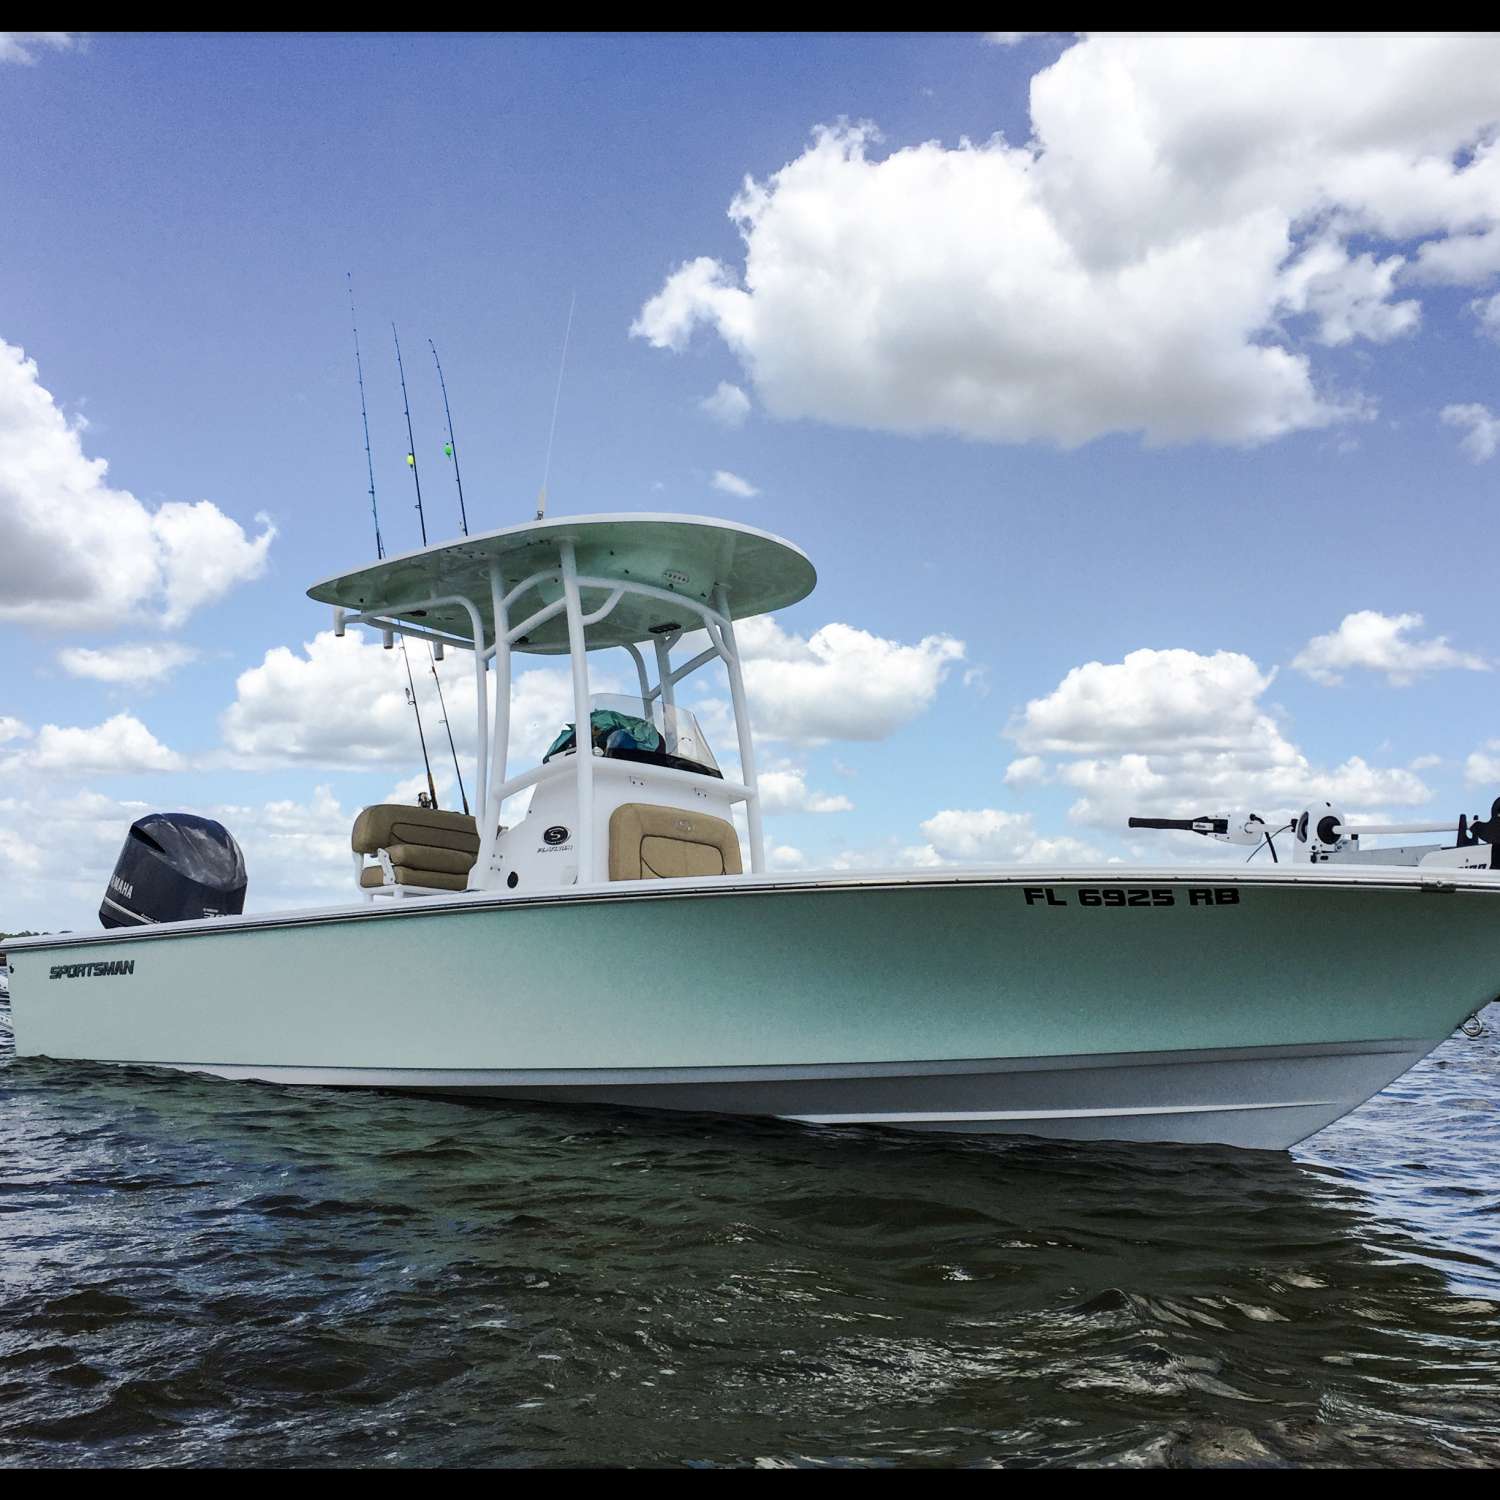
(1259, 1098)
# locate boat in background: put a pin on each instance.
(608, 945)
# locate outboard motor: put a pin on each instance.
(175, 867)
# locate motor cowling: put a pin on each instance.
(175, 867)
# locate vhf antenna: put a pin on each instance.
(541, 499)
(452, 452)
(364, 414)
(452, 749)
(411, 450)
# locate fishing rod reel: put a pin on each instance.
(1321, 834)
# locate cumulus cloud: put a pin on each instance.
(12, 729)
(1380, 643)
(840, 683)
(22, 46)
(732, 484)
(341, 701)
(133, 663)
(728, 404)
(296, 853)
(987, 835)
(1193, 218)
(81, 554)
(786, 790)
(121, 745)
(1026, 770)
(1175, 732)
(1152, 700)
(1008, 38)
(1482, 436)
(65, 847)
(1487, 310)
(1482, 768)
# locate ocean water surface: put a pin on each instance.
(199, 1272)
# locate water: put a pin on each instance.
(197, 1272)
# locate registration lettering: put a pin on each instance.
(1122, 895)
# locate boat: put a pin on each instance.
(623, 942)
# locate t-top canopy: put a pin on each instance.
(687, 555)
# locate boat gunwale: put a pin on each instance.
(1390, 878)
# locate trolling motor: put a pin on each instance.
(175, 867)
(1322, 834)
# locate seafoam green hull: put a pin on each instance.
(1241, 1007)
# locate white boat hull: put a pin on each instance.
(971, 1001)
(1265, 1097)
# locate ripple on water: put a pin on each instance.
(199, 1272)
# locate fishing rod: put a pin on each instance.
(452, 448)
(411, 450)
(541, 499)
(411, 697)
(452, 749)
(364, 413)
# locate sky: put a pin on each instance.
(1135, 397)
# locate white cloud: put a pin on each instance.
(120, 745)
(1482, 768)
(134, 662)
(1460, 259)
(1487, 310)
(840, 683)
(12, 729)
(1178, 733)
(66, 847)
(892, 855)
(732, 484)
(1380, 643)
(1026, 770)
(204, 554)
(342, 701)
(787, 791)
(21, 46)
(785, 857)
(1008, 38)
(1192, 219)
(80, 554)
(1483, 435)
(296, 853)
(1152, 700)
(728, 404)
(987, 835)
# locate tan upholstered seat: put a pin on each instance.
(373, 876)
(390, 823)
(666, 843)
(425, 847)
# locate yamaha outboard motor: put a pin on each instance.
(175, 868)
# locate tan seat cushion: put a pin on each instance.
(666, 843)
(390, 823)
(372, 877)
(427, 857)
(672, 859)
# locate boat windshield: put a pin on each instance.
(627, 728)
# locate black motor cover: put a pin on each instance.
(175, 867)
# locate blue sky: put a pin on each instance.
(177, 215)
